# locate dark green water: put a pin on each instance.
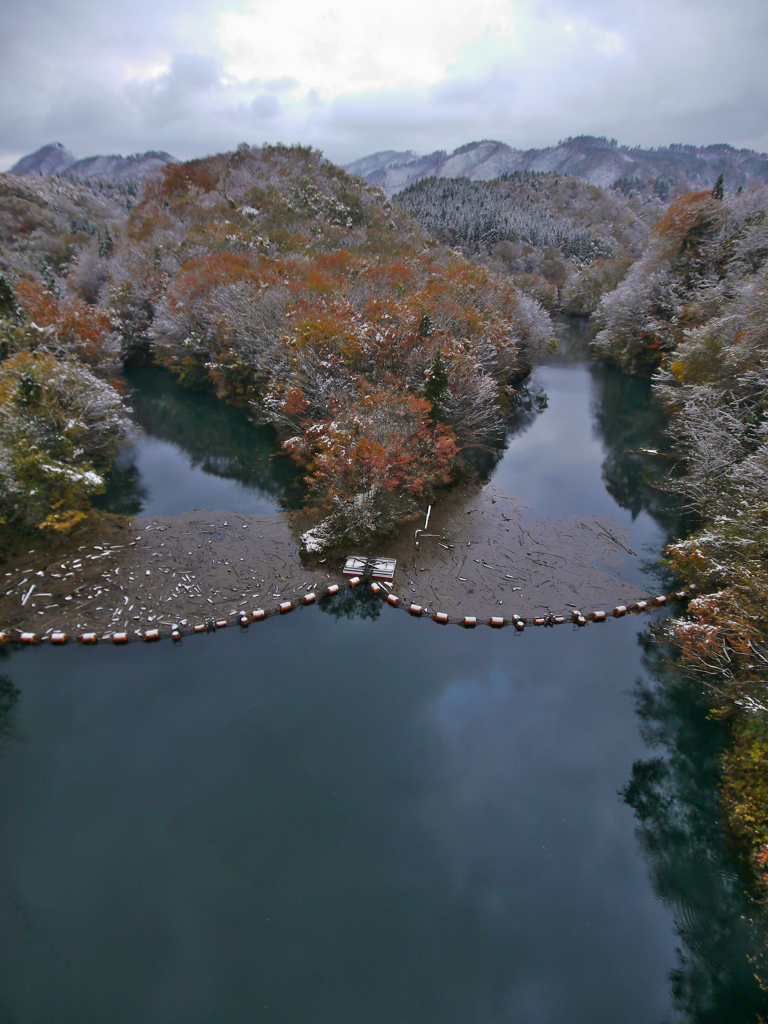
(352, 817)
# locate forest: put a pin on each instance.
(270, 276)
(692, 313)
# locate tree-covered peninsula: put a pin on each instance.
(274, 278)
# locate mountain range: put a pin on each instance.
(598, 161)
(56, 159)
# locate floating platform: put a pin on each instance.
(370, 568)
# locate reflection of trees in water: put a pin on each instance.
(219, 438)
(9, 695)
(627, 419)
(351, 603)
(676, 799)
(528, 402)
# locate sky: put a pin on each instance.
(350, 77)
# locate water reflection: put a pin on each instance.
(676, 799)
(194, 451)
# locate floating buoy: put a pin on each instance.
(681, 595)
(415, 609)
(469, 621)
(519, 625)
(575, 614)
(89, 638)
(641, 606)
(285, 606)
(4, 638)
(258, 614)
(393, 600)
(619, 610)
(151, 634)
(244, 621)
(581, 621)
(539, 621)
(58, 638)
(354, 581)
(29, 638)
(309, 598)
(661, 599)
(496, 621)
(199, 627)
(441, 617)
(220, 623)
(559, 620)
(175, 635)
(119, 638)
(334, 588)
(375, 588)
(599, 616)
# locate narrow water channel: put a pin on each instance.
(348, 815)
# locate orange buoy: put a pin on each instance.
(29, 638)
(285, 606)
(469, 621)
(58, 638)
(354, 581)
(151, 634)
(4, 638)
(199, 627)
(220, 623)
(415, 609)
(559, 620)
(519, 625)
(393, 600)
(581, 621)
(334, 588)
(309, 598)
(244, 621)
(539, 621)
(599, 616)
(258, 614)
(681, 595)
(119, 638)
(375, 588)
(441, 617)
(619, 610)
(88, 638)
(176, 635)
(641, 606)
(496, 621)
(661, 599)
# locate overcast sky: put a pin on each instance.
(197, 76)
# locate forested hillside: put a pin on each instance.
(564, 242)
(694, 312)
(273, 277)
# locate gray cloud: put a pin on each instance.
(122, 77)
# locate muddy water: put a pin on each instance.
(349, 815)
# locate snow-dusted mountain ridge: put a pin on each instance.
(597, 161)
(57, 159)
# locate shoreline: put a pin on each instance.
(482, 557)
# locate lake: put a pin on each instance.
(347, 815)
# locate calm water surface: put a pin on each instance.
(348, 815)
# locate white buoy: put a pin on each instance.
(441, 617)
(334, 588)
(151, 634)
(285, 606)
(258, 614)
(496, 621)
(415, 609)
(393, 600)
(469, 621)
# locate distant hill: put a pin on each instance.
(667, 171)
(56, 159)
